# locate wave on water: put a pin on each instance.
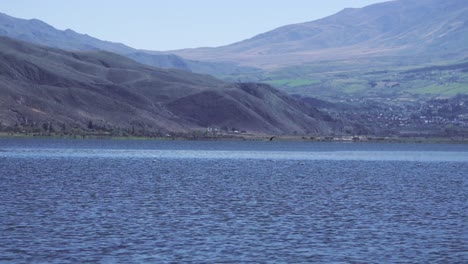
(418, 156)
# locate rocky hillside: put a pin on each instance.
(47, 88)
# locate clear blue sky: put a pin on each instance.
(175, 24)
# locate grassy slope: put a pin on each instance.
(380, 78)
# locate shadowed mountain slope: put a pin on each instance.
(79, 90)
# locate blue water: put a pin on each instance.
(107, 201)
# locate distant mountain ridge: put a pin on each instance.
(38, 32)
(395, 28)
(407, 28)
(66, 91)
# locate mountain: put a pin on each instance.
(74, 91)
(408, 28)
(38, 32)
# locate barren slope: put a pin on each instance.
(73, 89)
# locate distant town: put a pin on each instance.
(440, 117)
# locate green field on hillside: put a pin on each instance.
(449, 89)
(292, 82)
(382, 79)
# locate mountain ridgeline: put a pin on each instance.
(63, 91)
(38, 32)
(404, 28)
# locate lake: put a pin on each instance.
(75, 201)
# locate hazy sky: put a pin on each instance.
(175, 24)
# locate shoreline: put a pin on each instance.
(257, 137)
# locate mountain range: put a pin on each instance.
(38, 32)
(389, 53)
(403, 28)
(430, 29)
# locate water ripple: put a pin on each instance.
(75, 205)
(421, 156)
